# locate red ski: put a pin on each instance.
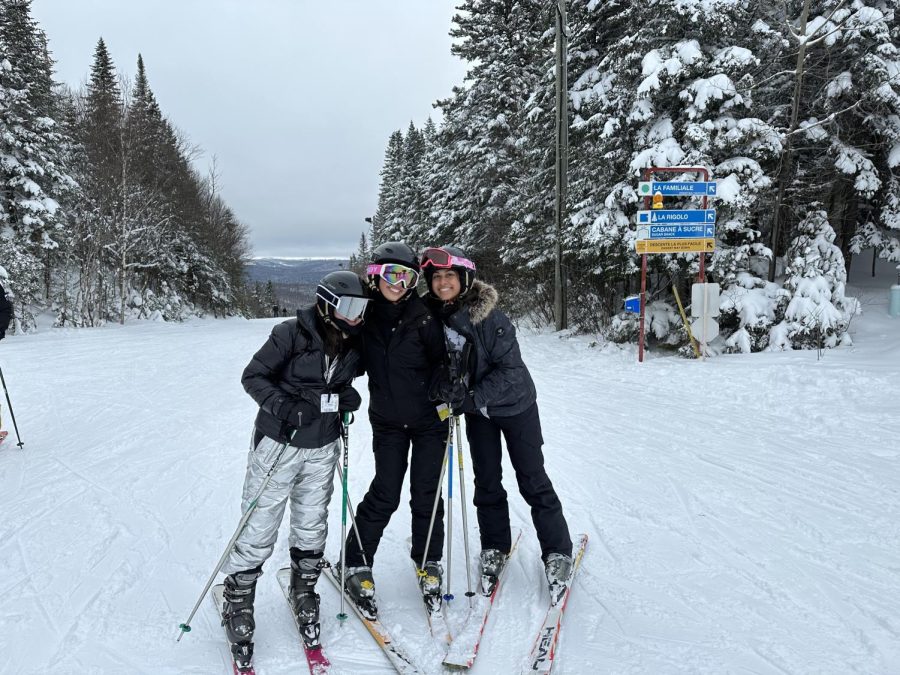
(543, 653)
(464, 647)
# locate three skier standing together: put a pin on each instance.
(452, 347)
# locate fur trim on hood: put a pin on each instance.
(480, 301)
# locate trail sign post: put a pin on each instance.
(683, 234)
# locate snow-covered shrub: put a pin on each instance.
(818, 313)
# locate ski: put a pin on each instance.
(543, 652)
(399, 659)
(217, 596)
(436, 617)
(315, 655)
(3, 435)
(464, 647)
(434, 613)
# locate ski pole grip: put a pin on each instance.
(347, 418)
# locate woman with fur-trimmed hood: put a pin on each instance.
(490, 384)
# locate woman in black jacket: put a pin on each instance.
(403, 350)
(494, 390)
(301, 380)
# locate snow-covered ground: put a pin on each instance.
(743, 513)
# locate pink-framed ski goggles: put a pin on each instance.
(441, 259)
(394, 274)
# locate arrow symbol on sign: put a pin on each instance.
(710, 246)
(710, 216)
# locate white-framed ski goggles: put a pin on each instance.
(348, 306)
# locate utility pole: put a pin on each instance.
(560, 304)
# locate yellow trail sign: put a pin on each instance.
(675, 245)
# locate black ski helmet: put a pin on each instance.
(330, 294)
(392, 252)
(466, 274)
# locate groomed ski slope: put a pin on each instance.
(743, 513)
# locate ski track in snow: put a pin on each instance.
(748, 532)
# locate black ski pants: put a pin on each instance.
(523, 443)
(390, 444)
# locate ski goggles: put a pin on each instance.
(441, 259)
(394, 274)
(348, 306)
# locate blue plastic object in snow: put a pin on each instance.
(633, 304)
(894, 304)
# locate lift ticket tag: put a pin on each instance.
(329, 403)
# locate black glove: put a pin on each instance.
(350, 400)
(296, 411)
(441, 388)
(465, 404)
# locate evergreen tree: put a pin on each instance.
(818, 313)
(33, 182)
(390, 190)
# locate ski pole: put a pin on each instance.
(462, 500)
(186, 626)
(346, 420)
(437, 498)
(340, 474)
(11, 413)
(448, 595)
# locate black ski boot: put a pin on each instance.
(430, 582)
(305, 569)
(558, 568)
(237, 615)
(492, 563)
(360, 587)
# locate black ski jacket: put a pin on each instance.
(290, 367)
(5, 313)
(402, 361)
(499, 380)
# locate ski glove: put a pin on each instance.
(445, 388)
(466, 404)
(350, 400)
(296, 411)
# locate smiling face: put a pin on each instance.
(445, 284)
(391, 293)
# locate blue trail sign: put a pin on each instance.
(679, 188)
(672, 217)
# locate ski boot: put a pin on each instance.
(360, 588)
(304, 600)
(558, 568)
(430, 582)
(237, 615)
(492, 563)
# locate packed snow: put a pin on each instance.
(743, 512)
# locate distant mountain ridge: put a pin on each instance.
(293, 270)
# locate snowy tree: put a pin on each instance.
(34, 181)
(389, 191)
(818, 313)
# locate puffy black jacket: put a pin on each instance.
(5, 313)
(290, 367)
(499, 379)
(402, 360)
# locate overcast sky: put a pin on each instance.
(295, 98)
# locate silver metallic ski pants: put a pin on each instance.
(305, 476)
